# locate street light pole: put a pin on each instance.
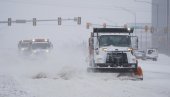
(168, 27)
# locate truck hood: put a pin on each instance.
(114, 48)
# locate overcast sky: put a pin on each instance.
(110, 11)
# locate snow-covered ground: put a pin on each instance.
(66, 76)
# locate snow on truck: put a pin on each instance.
(111, 50)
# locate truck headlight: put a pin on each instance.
(46, 40)
(130, 49)
(104, 49)
(128, 29)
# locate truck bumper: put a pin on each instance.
(106, 67)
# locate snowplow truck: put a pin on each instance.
(111, 50)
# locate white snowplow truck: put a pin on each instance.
(111, 50)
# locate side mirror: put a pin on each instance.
(134, 42)
(91, 42)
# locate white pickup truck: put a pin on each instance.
(152, 54)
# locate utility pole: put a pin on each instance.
(168, 29)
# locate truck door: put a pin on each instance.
(134, 42)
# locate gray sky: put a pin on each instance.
(90, 10)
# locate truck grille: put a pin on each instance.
(117, 59)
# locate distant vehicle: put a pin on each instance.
(139, 54)
(152, 54)
(41, 46)
(24, 46)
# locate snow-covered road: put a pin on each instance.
(67, 77)
(9, 87)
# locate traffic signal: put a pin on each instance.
(88, 25)
(34, 21)
(59, 20)
(78, 20)
(152, 29)
(146, 28)
(9, 21)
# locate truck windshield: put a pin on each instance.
(115, 40)
(40, 45)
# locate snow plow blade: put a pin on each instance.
(139, 73)
(133, 73)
